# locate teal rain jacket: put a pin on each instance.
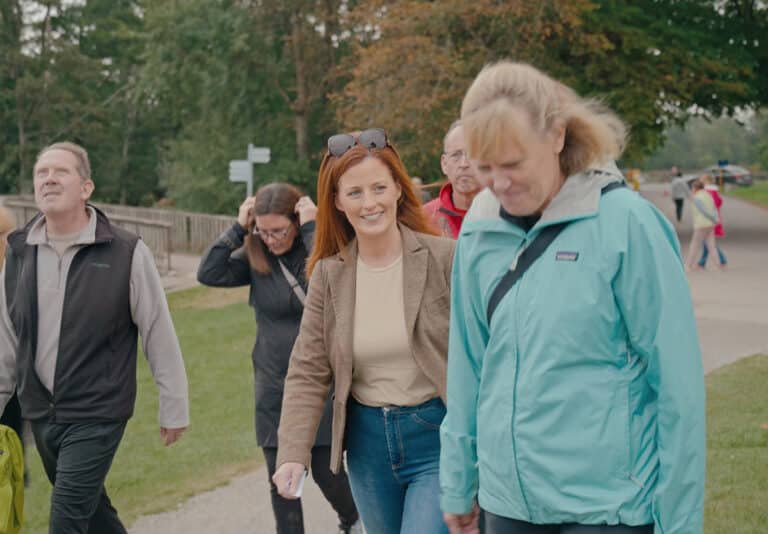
(583, 400)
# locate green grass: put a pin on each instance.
(737, 448)
(757, 193)
(216, 338)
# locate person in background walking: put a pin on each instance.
(704, 221)
(549, 431)
(376, 327)
(447, 210)
(267, 249)
(679, 190)
(709, 185)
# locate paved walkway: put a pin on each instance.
(732, 313)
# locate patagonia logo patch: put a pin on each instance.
(101, 265)
(564, 255)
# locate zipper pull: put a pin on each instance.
(517, 256)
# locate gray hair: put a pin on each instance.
(81, 155)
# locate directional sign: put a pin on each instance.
(241, 170)
(257, 154)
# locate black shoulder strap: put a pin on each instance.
(529, 255)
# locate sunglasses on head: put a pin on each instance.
(371, 138)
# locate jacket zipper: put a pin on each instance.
(514, 402)
(520, 251)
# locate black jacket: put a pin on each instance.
(278, 315)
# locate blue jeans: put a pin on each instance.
(393, 457)
(705, 254)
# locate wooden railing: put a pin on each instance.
(157, 234)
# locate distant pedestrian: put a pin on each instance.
(447, 211)
(267, 249)
(712, 189)
(679, 190)
(376, 328)
(704, 221)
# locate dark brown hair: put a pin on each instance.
(277, 198)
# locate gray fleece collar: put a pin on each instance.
(578, 198)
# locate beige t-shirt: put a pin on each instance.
(385, 372)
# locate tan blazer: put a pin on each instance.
(323, 349)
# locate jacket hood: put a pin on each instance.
(578, 198)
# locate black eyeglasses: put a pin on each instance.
(371, 138)
(274, 235)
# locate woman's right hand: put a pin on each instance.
(245, 209)
(463, 523)
(287, 478)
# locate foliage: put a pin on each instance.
(701, 143)
(164, 93)
(650, 60)
(216, 332)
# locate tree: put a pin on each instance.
(652, 61)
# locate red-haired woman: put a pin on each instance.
(376, 328)
(267, 249)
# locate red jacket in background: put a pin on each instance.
(443, 215)
(712, 190)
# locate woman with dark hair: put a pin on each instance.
(267, 248)
(376, 329)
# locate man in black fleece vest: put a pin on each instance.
(76, 292)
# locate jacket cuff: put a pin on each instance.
(456, 505)
(174, 412)
(293, 454)
(234, 236)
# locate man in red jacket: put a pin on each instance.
(447, 211)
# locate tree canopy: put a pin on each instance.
(164, 93)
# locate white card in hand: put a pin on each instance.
(300, 486)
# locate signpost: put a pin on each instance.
(241, 170)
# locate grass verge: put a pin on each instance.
(216, 329)
(756, 193)
(737, 448)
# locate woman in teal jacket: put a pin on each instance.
(576, 405)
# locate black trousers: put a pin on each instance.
(679, 208)
(288, 513)
(77, 458)
(494, 524)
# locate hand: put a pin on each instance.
(306, 210)
(245, 210)
(169, 436)
(464, 523)
(287, 477)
